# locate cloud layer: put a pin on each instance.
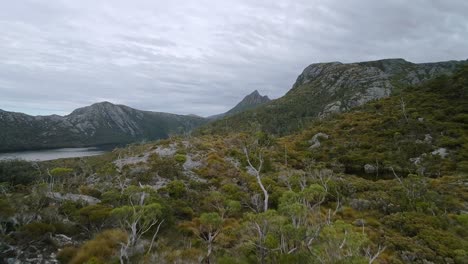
(201, 57)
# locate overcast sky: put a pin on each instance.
(202, 57)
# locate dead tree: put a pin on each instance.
(256, 171)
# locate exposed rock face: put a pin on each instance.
(101, 123)
(341, 87)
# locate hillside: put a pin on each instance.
(326, 88)
(384, 182)
(100, 123)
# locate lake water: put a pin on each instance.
(51, 154)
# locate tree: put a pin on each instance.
(256, 171)
(138, 220)
(207, 227)
(264, 228)
(58, 175)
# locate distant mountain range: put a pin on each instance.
(326, 88)
(100, 123)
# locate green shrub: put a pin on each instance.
(101, 249)
(180, 158)
(66, 254)
(37, 229)
(88, 190)
(17, 172)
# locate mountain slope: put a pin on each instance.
(101, 123)
(325, 88)
(251, 101)
(423, 129)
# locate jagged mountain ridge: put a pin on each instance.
(326, 88)
(100, 123)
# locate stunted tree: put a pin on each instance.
(256, 171)
(58, 176)
(255, 151)
(207, 227)
(138, 220)
(263, 228)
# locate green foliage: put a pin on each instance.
(88, 190)
(145, 213)
(180, 158)
(37, 229)
(166, 167)
(176, 189)
(61, 172)
(94, 216)
(17, 172)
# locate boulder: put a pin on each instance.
(73, 197)
(369, 169)
(315, 143)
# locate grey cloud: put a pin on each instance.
(202, 57)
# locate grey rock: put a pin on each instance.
(441, 152)
(73, 197)
(190, 163)
(315, 143)
(166, 152)
(428, 138)
(369, 169)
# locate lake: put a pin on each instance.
(52, 154)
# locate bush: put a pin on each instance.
(176, 189)
(88, 190)
(37, 229)
(17, 172)
(166, 167)
(94, 215)
(180, 158)
(101, 249)
(66, 254)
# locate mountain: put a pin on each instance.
(100, 123)
(326, 88)
(251, 101)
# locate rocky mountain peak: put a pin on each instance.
(256, 97)
(250, 101)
